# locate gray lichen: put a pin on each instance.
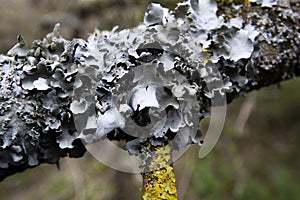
(60, 93)
(35, 98)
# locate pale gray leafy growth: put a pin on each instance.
(59, 91)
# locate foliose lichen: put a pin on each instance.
(58, 91)
(35, 96)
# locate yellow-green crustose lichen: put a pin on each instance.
(159, 181)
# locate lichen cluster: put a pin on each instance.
(60, 93)
(275, 25)
(36, 91)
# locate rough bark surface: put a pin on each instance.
(251, 46)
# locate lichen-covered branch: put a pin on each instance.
(58, 95)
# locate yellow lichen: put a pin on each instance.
(208, 50)
(207, 57)
(160, 181)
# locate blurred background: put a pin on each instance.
(257, 156)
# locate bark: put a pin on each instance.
(37, 110)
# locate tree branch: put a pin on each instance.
(246, 47)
